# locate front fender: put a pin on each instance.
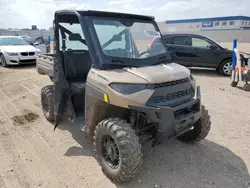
(97, 109)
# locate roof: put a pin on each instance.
(228, 18)
(105, 14)
(166, 35)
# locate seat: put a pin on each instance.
(77, 66)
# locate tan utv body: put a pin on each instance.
(120, 92)
(144, 75)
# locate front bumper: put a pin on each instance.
(16, 60)
(174, 121)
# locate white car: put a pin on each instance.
(14, 50)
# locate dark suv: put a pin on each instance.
(193, 50)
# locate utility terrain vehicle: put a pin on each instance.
(105, 79)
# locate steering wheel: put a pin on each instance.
(145, 54)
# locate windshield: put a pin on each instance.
(8, 41)
(128, 39)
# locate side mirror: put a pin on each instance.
(75, 37)
(35, 44)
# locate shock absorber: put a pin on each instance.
(132, 117)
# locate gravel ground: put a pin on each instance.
(33, 155)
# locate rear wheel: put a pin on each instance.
(225, 67)
(118, 149)
(47, 93)
(3, 61)
(200, 130)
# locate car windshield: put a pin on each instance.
(128, 39)
(9, 41)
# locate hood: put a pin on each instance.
(144, 75)
(18, 48)
(161, 73)
(244, 54)
(118, 76)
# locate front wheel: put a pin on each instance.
(118, 149)
(225, 67)
(3, 61)
(200, 130)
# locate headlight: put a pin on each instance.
(193, 81)
(244, 55)
(192, 78)
(38, 52)
(12, 54)
(127, 88)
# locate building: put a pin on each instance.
(27, 32)
(208, 24)
(221, 29)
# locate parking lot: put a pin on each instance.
(33, 155)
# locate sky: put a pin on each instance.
(24, 13)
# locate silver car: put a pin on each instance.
(14, 50)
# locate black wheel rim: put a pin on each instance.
(110, 152)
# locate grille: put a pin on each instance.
(27, 53)
(175, 82)
(172, 96)
(24, 54)
(27, 61)
(31, 53)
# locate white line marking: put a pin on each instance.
(29, 90)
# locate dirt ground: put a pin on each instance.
(33, 155)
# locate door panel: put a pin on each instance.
(206, 53)
(180, 49)
(181, 54)
(206, 58)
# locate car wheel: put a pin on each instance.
(47, 93)
(226, 67)
(3, 61)
(118, 149)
